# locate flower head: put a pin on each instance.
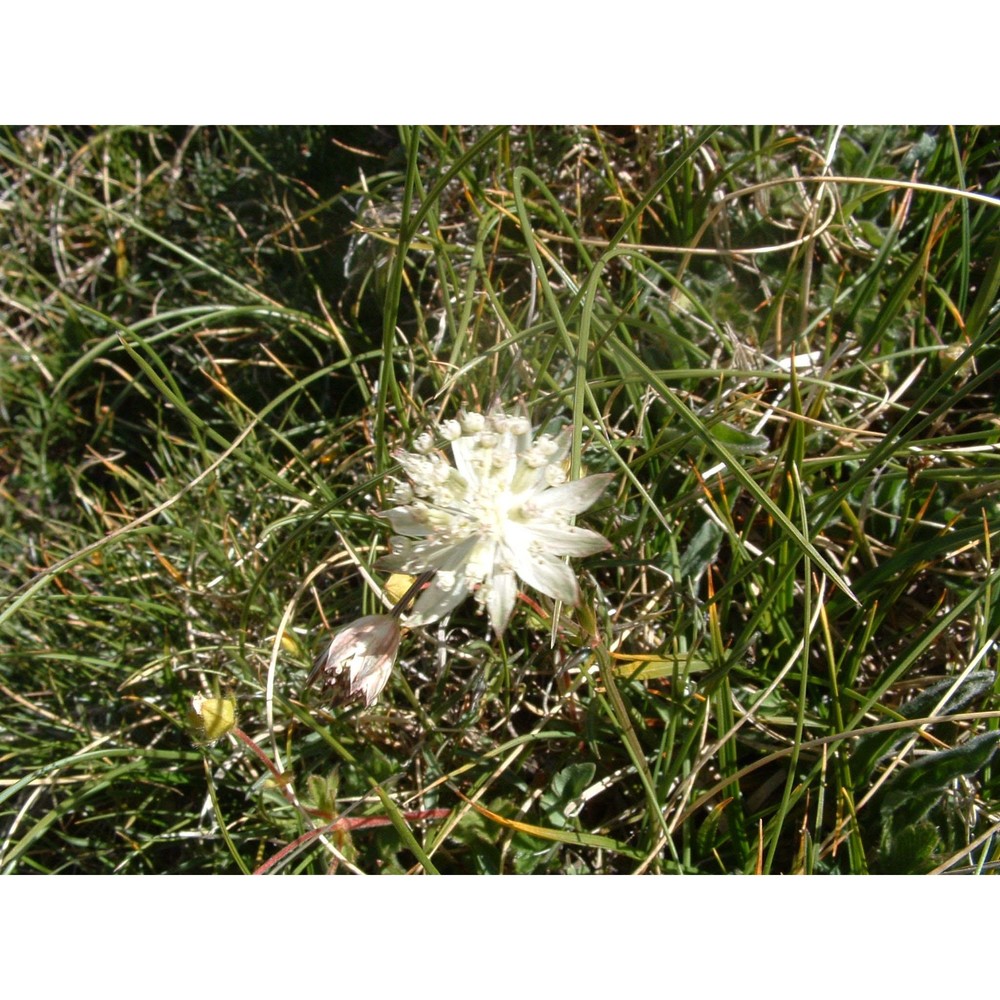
(502, 511)
(358, 660)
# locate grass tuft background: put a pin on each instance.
(783, 342)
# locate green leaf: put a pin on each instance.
(871, 749)
(701, 552)
(917, 790)
(740, 441)
(911, 851)
(567, 786)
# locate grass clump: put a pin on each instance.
(781, 342)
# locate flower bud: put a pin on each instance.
(359, 658)
(211, 718)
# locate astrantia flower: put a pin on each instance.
(503, 511)
(359, 658)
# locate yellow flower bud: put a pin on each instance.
(212, 718)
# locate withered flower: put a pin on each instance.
(358, 660)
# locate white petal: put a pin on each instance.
(500, 600)
(548, 575)
(462, 450)
(412, 521)
(370, 684)
(567, 540)
(563, 441)
(395, 563)
(481, 561)
(527, 479)
(572, 498)
(435, 602)
(503, 466)
(413, 557)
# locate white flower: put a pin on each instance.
(358, 660)
(503, 511)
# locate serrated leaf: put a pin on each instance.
(910, 851)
